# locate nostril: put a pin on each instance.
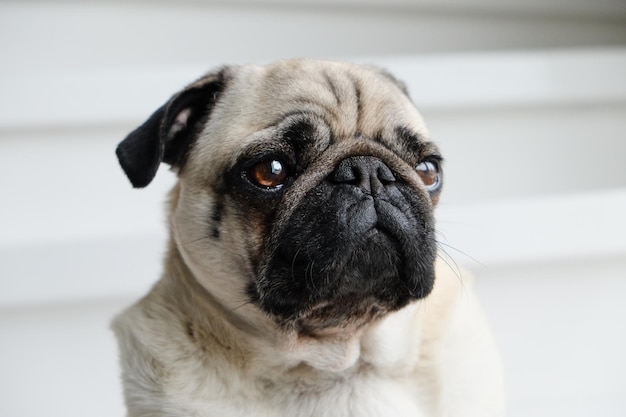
(384, 174)
(346, 173)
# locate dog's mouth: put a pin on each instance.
(327, 274)
(367, 279)
(369, 284)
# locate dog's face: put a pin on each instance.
(306, 190)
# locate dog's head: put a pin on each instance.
(306, 188)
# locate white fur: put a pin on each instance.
(434, 358)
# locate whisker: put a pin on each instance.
(309, 277)
(293, 265)
(461, 252)
(450, 262)
(222, 315)
(440, 233)
(245, 303)
(457, 270)
(193, 241)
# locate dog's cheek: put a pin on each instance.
(238, 229)
(254, 216)
(219, 261)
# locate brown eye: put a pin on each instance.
(429, 173)
(268, 174)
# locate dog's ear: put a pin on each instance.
(168, 134)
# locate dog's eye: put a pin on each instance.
(268, 174)
(430, 175)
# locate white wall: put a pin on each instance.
(40, 36)
(528, 103)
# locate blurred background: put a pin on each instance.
(526, 98)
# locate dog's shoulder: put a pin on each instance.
(147, 350)
(143, 372)
(166, 368)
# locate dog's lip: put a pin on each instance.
(308, 322)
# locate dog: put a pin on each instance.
(302, 275)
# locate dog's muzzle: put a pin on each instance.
(361, 240)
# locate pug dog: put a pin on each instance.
(302, 275)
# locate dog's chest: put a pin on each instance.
(375, 375)
(365, 396)
(362, 396)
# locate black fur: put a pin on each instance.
(161, 138)
(216, 219)
(142, 151)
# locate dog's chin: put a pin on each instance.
(345, 312)
(342, 316)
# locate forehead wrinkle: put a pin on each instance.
(379, 105)
(414, 142)
(321, 109)
(351, 100)
(328, 92)
(333, 88)
(341, 114)
(356, 87)
(309, 114)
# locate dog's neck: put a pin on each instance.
(384, 345)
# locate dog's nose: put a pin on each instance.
(368, 173)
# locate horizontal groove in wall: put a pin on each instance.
(436, 83)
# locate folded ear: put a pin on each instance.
(168, 134)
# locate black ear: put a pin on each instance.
(171, 130)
